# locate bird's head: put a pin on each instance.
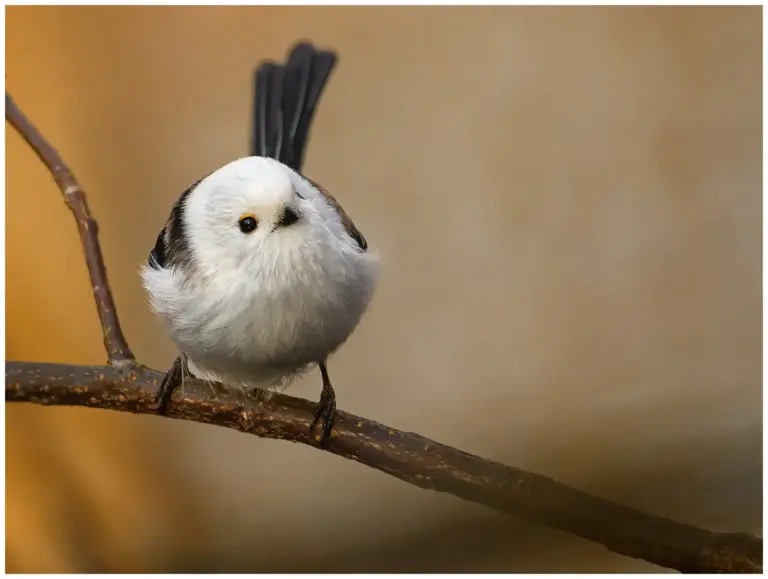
(245, 209)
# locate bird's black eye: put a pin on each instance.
(247, 223)
(289, 217)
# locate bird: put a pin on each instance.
(258, 272)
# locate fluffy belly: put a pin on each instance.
(278, 316)
(268, 339)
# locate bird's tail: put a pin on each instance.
(285, 98)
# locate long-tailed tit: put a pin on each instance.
(259, 273)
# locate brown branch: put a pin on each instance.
(114, 341)
(407, 456)
(128, 386)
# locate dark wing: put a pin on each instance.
(158, 257)
(171, 247)
(353, 231)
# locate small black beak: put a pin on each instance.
(288, 218)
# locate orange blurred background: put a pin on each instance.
(567, 202)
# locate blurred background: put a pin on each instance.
(567, 202)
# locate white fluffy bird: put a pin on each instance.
(259, 274)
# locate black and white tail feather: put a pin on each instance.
(285, 99)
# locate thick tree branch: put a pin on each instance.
(114, 341)
(128, 386)
(407, 456)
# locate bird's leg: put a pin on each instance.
(171, 381)
(326, 408)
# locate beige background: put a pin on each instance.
(568, 207)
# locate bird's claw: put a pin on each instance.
(326, 409)
(171, 381)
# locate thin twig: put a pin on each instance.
(407, 456)
(128, 386)
(114, 341)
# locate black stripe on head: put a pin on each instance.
(172, 247)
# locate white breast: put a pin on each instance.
(294, 308)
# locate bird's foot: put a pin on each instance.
(171, 381)
(326, 409)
